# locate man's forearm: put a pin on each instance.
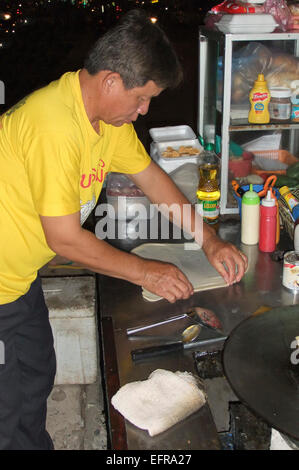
(67, 238)
(100, 257)
(161, 190)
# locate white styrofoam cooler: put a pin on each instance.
(71, 302)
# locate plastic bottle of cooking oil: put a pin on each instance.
(259, 98)
(208, 193)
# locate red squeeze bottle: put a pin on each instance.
(268, 224)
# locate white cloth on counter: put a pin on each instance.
(161, 401)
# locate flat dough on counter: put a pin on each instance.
(193, 263)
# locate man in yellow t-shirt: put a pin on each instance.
(56, 146)
(57, 166)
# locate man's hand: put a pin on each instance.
(224, 256)
(166, 280)
(230, 262)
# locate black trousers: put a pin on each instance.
(27, 372)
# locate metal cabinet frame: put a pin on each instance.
(225, 45)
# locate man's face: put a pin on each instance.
(124, 106)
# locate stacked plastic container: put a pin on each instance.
(176, 138)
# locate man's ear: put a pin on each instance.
(111, 81)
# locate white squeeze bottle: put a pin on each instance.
(250, 217)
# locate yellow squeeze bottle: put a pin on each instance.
(259, 98)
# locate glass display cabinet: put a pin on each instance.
(224, 73)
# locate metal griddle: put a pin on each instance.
(257, 363)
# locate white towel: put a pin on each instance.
(161, 401)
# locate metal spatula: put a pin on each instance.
(199, 315)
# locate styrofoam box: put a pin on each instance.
(170, 133)
(247, 23)
(71, 304)
(170, 164)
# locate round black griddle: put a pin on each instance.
(259, 365)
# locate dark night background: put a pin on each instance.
(42, 39)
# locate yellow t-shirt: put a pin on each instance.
(52, 163)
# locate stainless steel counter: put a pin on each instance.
(122, 306)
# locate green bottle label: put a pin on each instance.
(209, 210)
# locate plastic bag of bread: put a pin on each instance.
(283, 69)
(279, 69)
(248, 62)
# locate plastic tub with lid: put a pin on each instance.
(280, 106)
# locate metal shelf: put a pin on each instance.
(240, 125)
